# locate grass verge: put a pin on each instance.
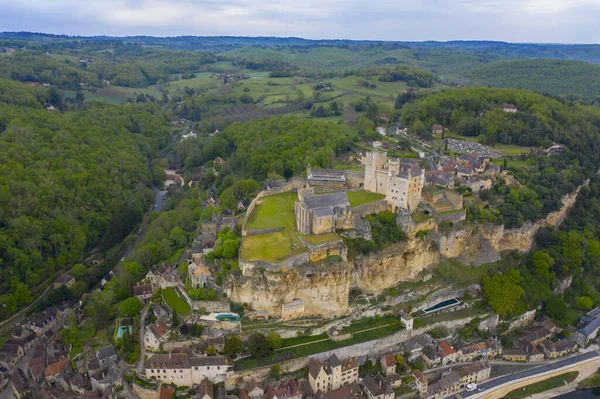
(174, 301)
(543, 386)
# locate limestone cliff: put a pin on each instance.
(323, 288)
(400, 262)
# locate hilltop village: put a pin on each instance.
(310, 314)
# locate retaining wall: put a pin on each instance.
(257, 232)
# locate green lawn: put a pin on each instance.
(302, 340)
(175, 257)
(371, 322)
(274, 211)
(316, 239)
(271, 247)
(174, 301)
(459, 314)
(323, 346)
(420, 217)
(543, 386)
(357, 198)
(591, 381)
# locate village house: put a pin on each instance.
(437, 129)
(534, 336)
(155, 335)
(482, 349)
(448, 385)
(182, 369)
(552, 350)
(421, 382)
(205, 390)
(510, 108)
(155, 272)
(198, 272)
(446, 164)
(586, 333)
(292, 310)
(400, 180)
(378, 388)
(20, 384)
(217, 343)
(478, 183)
(447, 353)
(332, 374)
(388, 364)
(514, 355)
(287, 390)
(64, 279)
(36, 367)
(439, 178)
(322, 213)
(169, 279)
(464, 172)
(457, 380)
(431, 356)
(143, 292)
(254, 390)
(105, 354)
(352, 391)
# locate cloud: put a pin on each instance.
(508, 20)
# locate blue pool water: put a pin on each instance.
(441, 305)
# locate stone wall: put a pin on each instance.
(241, 378)
(322, 251)
(367, 209)
(144, 393)
(211, 306)
(171, 345)
(250, 267)
(454, 216)
(355, 179)
(257, 232)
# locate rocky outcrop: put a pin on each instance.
(324, 289)
(402, 262)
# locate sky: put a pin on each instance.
(539, 21)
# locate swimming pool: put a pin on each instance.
(442, 305)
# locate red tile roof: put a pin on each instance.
(446, 349)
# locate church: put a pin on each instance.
(322, 213)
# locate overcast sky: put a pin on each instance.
(549, 21)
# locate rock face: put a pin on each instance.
(324, 289)
(400, 262)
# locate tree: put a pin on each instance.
(175, 318)
(22, 294)
(233, 345)
(257, 345)
(79, 271)
(502, 292)
(542, 263)
(211, 351)
(131, 307)
(274, 341)
(275, 371)
(584, 303)
(556, 308)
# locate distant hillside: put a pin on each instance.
(542, 75)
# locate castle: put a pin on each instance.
(400, 180)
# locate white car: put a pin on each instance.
(471, 387)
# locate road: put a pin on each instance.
(140, 362)
(532, 372)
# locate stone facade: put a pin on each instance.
(324, 213)
(400, 180)
(181, 369)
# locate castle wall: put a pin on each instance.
(355, 179)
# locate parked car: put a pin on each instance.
(471, 387)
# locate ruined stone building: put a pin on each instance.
(326, 178)
(322, 213)
(401, 180)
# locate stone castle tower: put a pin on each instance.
(400, 181)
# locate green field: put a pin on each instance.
(543, 386)
(274, 211)
(174, 301)
(271, 247)
(357, 198)
(316, 239)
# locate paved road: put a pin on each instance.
(532, 372)
(140, 363)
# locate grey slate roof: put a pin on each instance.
(590, 328)
(314, 201)
(106, 352)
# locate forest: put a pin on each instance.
(68, 182)
(561, 273)
(574, 79)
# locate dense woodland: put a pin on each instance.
(570, 252)
(69, 182)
